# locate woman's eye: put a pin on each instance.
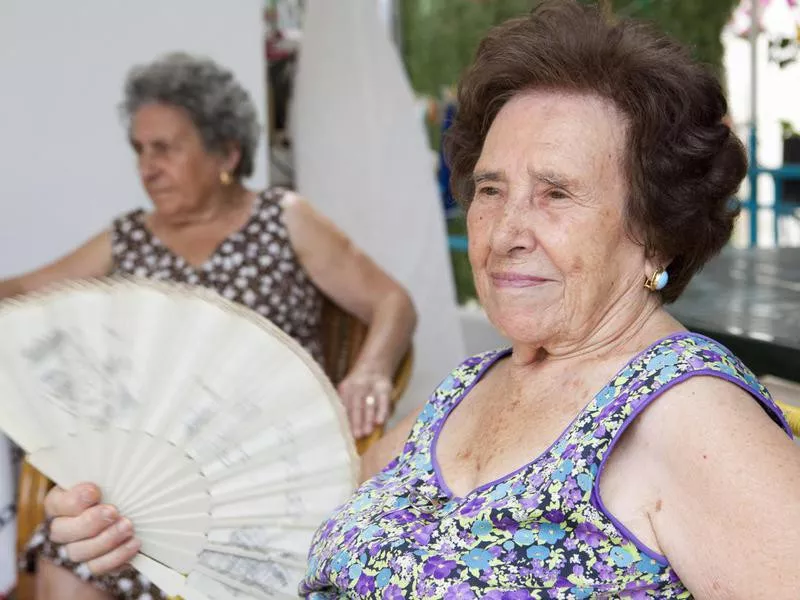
(488, 191)
(558, 194)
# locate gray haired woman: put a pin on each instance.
(195, 132)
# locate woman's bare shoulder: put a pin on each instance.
(726, 475)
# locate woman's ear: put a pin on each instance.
(231, 157)
(653, 259)
(655, 262)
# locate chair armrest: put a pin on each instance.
(33, 487)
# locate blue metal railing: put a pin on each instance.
(458, 243)
(779, 208)
(786, 172)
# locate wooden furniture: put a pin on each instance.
(787, 396)
(33, 486)
(342, 338)
(747, 300)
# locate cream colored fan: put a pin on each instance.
(211, 429)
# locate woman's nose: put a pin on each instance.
(513, 232)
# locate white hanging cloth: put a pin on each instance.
(362, 157)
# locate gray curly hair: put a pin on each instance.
(217, 104)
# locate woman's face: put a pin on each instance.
(177, 171)
(552, 262)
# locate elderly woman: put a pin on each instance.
(608, 453)
(194, 131)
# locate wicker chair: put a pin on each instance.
(343, 336)
(787, 396)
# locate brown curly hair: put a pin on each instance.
(683, 164)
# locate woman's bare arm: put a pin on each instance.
(92, 259)
(728, 483)
(57, 583)
(353, 281)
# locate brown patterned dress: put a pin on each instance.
(255, 266)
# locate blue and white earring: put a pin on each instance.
(657, 281)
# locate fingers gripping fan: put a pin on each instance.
(213, 431)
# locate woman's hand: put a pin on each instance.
(367, 397)
(351, 280)
(93, 534)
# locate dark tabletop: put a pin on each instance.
(750, 301)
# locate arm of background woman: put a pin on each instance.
(57, 583)
(353, 281)
(92, 259)
(727, 513)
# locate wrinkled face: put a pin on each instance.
(547, 240)
(177, 171)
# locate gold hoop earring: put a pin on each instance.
(657, 281)
(225, 178)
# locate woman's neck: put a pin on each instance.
(216, 207)
(625, 330)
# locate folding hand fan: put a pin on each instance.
(212, 430)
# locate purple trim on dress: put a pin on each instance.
(439, 478)
(767, 403)
(437, 471)
(597, 500)
(533, 462)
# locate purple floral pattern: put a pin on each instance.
(538, 533)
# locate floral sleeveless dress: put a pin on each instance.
(539, 532)
(255, 266)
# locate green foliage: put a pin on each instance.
(462, 272)
(440, 36)
(698, 24)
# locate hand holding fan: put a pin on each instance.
(208, 427)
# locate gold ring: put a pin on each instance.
(369, 400)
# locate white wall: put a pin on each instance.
(65, 166)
